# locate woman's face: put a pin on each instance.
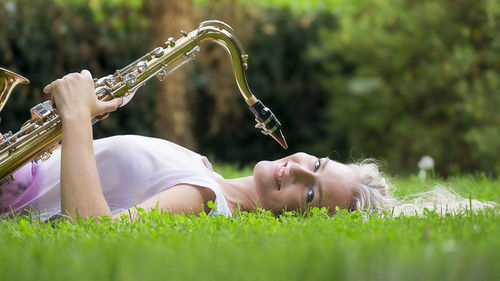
(301, 180)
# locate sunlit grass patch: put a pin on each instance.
(263, 246)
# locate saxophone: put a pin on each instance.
(39, 136)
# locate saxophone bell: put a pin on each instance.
(9, 80)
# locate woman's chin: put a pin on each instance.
(259, 171)
(261, 178)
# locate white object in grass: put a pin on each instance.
(426, 163)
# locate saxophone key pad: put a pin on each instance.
(45, 156)
(41, 110)
(101, 81)
(142, 66)
(130, 79)
(162, 73)
(158, 52)
(169, 43)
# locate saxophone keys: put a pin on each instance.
(158, 52)
(100, 81)
(45, 156)
(8, 137)
(109, 82)
(161, 74)
(41, 110)
(191, 54)
(130, 79)
(142, 66)
(244, 58)
(5, 181)
(169, 43)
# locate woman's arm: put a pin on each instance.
(81, 192)
(182, 198)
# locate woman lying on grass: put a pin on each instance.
(113, 176)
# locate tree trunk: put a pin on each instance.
(172, 110)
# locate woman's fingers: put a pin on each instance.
(75, 92)
(109, 106)
(86, 73)
(48, 89)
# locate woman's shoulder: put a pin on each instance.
(124, 141)
(142, 144)
(126, 138)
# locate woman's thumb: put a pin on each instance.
(109, 106)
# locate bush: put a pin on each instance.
(393, 80)
(411, 78)
(43, 40)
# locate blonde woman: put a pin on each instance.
(113, 176)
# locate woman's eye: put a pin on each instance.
(317, 164)
(310, 196)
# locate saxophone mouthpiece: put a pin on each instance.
(268, 123)
(278, 136)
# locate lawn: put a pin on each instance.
(260, 246)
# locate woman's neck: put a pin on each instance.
(239, 192)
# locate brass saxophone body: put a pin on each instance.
(42, 133)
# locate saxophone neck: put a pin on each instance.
(225, 36)
(164, 60)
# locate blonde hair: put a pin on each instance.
(375, 193)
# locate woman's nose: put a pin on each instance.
(300, 173)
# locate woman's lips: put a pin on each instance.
(278, 175)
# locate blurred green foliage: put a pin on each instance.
(411, 78)
(43, 40)
(296, 6)
(394, 80)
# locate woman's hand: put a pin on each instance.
(75, 96)
(81, 191)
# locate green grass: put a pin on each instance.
(260, 246)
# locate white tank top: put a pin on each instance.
(131, 169)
